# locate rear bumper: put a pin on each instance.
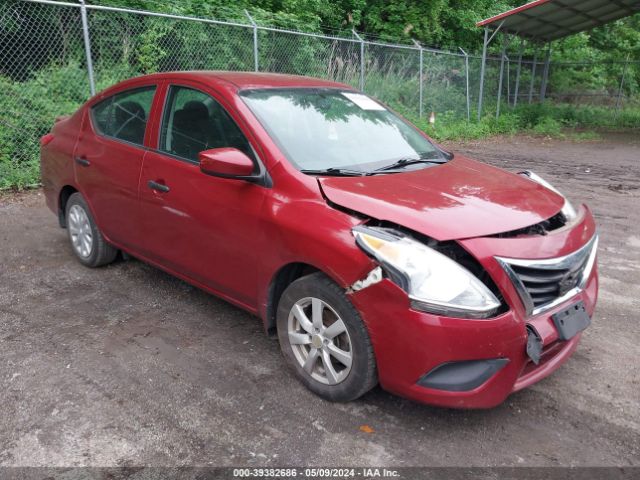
(409, 344)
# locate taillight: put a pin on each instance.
(46, 139)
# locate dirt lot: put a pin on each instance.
(125, 365)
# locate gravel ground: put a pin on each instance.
(127, 366)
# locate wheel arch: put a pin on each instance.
(280, 280)
(63, 198)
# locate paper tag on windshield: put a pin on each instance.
(364, 102)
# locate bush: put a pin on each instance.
(537, 119)
(547, 126)
(29, 110)
(30, 107)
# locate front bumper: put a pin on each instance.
(408, 343)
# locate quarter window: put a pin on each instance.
(124, 115)
(193, 122)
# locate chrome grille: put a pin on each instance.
(542, 284)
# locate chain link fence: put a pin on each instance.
(42, 75)
(53, 55)
(610, 84)
(125, 43)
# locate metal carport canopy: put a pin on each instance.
(543, 21)
(547, 20)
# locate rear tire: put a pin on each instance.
(318, 326)
(87, 242)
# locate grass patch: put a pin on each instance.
(588, 136)
(579, 123)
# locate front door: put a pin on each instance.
(203, 227)
(108, 161)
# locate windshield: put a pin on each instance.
(331, 129)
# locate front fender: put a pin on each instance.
(313, 233)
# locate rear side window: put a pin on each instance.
(124, 115)
(193, 121)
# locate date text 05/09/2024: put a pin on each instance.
(316, 472)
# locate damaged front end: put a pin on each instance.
(442, 276)
(373, 277)
(446, 277)
(434, 282)
(446, 356)
(448, 324)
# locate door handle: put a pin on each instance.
(82, 161)
(158, 186)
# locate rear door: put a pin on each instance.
(206, 228)
(108, 160)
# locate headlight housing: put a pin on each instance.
(567, 209)
(433, 281)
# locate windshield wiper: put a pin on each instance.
(403, 162)
(336, 172)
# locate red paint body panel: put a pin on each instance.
(204, 227)
(111, 182)
(56, 159)
(425, 341)
(232, 237)
(459, 199)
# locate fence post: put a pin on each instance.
(545, 73)
(482, 67)
(420, 78)
(503, 54)
(355, 34)
(517, 87)
(624, 72)
(87, 46)
(466, 74)
(533, 75)
(255, 40)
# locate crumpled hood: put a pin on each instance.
(460, 199)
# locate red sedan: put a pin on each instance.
(375, 255)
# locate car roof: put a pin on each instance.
(244, 80)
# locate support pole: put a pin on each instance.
(256, 63)
(466, 74)
(502, 57)
(361, 40)
(624, 72)
(420, 79)
(545, 73)
(508, 75)
(87, 46)
(482, 69)
(533, 76)
(487, 41)
(517, 87)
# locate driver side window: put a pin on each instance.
(194, 121)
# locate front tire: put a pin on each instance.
(324, 340)
(87, 242)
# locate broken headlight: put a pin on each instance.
(567, 209)
(433, 281)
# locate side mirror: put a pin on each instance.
(226, 163)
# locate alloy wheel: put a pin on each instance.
(80, 231)
(320, 341)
